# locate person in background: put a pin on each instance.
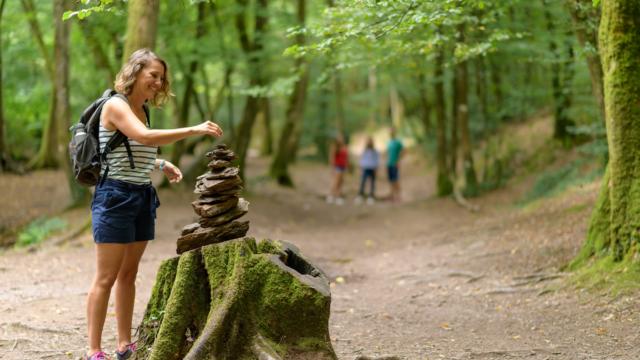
(369, 164)
(394, 154)
(340, 162)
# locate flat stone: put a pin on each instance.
(190, 228)
(219, 164)
(213, 199)
(211, 210)
(221, 154)
(222, 174)
(214, 186)
(206, 236)
(233, 214)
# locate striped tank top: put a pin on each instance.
(144, 158)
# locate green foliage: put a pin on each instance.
(93, 6)
(38, 230)
(552, 182)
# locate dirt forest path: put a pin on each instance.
(425, 279)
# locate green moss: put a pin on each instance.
(230, 294)
(605, 274)
(598, 236)
(189, 294)
(154, 313)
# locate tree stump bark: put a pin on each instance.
(238, 299)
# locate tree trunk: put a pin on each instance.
(372, 82)
(5, 156)
(462, 119)
(337, 86)
(561, 92)
(30, 10)
(586, 18)
(251, 48)
(444, 185)
(97, 51)
(79, 195)
(185, 105)
(238, 300)
(46, 156)
(453, 137)
(425, 106)
(142, 24)
(616, 218)
(265, 116)
(287, 145)
(496, 80)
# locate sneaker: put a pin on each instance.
(371, 200)
(127, 353)
(339, 201)
(329, 199)
(97, 356)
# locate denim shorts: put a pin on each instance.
(123, 213)
(392, 173)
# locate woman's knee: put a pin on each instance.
(105, 280)
(127, 275)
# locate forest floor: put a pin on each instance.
(424, 279)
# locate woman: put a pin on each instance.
(369, 165)
(340, 161)
(124, 205)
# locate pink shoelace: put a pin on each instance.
(98, 356)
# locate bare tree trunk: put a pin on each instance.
(97, 51)
(453, 150)
(5, 156)
(444, 185)
(229, 66)
(496, 80)
(586, 18)
(337, 83)
(250, 48)
(289, 138)
(424, 103)
(372, 82)
(79, 195)
(561, 90)
(265, 116)
(30, 10)
(462, 118)
(46, 156)
(185, 105)
(142, 24)
(396, 106)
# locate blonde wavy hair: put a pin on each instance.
(126, 78)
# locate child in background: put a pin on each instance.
(340, 162)
(369, 164)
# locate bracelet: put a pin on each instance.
(161, 165)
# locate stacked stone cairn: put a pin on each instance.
(219, 205)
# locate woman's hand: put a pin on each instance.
(208, 128)
(172, 172)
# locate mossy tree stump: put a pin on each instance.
(238, 300)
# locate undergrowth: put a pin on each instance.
(38, 230)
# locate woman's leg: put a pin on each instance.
(126, 291)
(339, 178)
(363, 180)
(108, 261)
(373, 183)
